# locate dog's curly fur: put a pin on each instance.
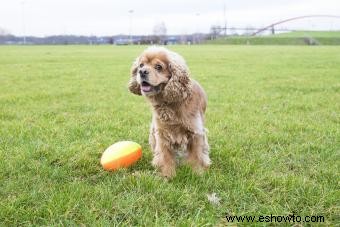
(178, 105)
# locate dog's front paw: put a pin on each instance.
(167, 169)
(168, 172)
(199, 165)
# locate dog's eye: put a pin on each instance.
(158, 67)
(141, 65)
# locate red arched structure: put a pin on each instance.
(291, 19)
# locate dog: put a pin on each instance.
(178, 107)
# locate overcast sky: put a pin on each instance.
(110, 17)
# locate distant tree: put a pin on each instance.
(183, 39)
(272, 30)
(249, 30)
(159, 31)
(233, 31)
(111, 40)
(215, 31)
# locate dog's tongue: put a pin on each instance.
(146, 88)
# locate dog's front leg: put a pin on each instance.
(198, 149)
(164, 158)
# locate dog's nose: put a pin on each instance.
(143, 73)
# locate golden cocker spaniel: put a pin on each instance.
(178, 106)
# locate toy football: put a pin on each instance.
(121, 154)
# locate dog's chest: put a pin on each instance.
(167, 115)
(179, 141)
(177, 127)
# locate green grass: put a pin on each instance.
(319, 34)
(274, 129)
(289, 38)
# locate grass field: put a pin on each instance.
(289, 38)
(315, 34)
(274, 127)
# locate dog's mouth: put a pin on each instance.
(149, 89)
(146, 87)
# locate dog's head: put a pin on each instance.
(162, 73)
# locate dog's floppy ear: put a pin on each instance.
(134, 87)
(179, 86)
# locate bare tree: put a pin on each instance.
(233, 31)
(249, 30)
(159, 31)
(215, 31)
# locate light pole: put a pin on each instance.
(23, 21)
(197, 28)
(225, 20)
(130, 25)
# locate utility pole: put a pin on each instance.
(23, 21)
(225, 20)
(130, 25)
(197, 36)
